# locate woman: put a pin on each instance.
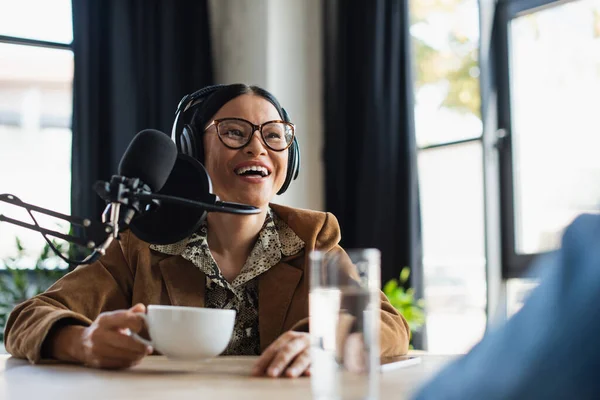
(255, 264)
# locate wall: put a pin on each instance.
(277, 44)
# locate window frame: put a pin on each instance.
(17, 40)
(513, 264)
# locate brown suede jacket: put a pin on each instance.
(130, 273)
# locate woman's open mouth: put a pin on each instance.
(253, 173)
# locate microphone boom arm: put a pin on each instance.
(96, 236)
(217, 206)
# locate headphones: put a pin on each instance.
(189, 143)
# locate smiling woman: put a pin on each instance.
(254, 264)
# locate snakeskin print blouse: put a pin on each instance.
(276, 239)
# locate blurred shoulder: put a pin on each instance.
(320, 228)
(584, 231)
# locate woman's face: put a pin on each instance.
(226, 166)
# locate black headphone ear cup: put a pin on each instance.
(296, 167)
(293, 167)
(183, 134)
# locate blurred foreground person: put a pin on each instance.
(550, 349)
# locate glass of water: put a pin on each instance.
(344, 324)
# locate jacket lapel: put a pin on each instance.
(276, 288)
(185, 282)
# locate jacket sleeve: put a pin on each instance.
(78, 298)
(395, 333)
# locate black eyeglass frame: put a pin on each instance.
(216, 122)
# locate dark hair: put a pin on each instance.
(213, 103)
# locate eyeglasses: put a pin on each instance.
(236, 133)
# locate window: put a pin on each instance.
(550, 92)
(445, 36)
(36, 75)
(531, 160)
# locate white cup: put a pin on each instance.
(188, 333)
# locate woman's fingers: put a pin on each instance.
(117, 343)
(111, 344)
(270, 352)
(265, 359)
(106, 343)
(278, 356)
(121, 319)
(300, 365)
(138, 308)
(286, 355)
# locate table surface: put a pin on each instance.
(159, 378)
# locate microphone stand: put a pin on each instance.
(95, 236)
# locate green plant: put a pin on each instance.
(405, 302)
(19, 282)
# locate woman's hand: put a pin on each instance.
(289, 356)
(107, 344)
(104, 344)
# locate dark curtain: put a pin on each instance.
(134, 61)
(370, 150)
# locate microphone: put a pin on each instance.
(143, 169)
(150, 157)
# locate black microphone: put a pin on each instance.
(143, 169)
(150, 157)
